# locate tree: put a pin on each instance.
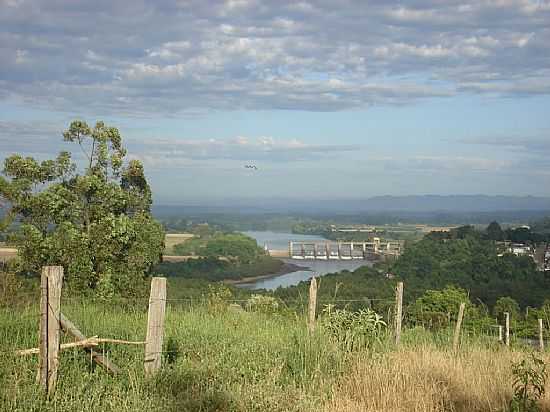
(436, 308)
(506, 304)
(97, 223)
(494, 232)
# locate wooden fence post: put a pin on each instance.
(507, 328)
(500, 333)
(155, 326)
(456, 338)
(312, 308)
(42, 376)
(541, 335)
(51, 282)
(398, 311)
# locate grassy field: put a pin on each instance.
(172, 239)
(228, 359)
(7, 253)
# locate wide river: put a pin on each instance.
(279, 241)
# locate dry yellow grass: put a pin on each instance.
(7, 253)
(429, 380)
(172, 239)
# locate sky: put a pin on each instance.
(329, 99)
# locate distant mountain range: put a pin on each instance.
(377, 204)
(454, 203)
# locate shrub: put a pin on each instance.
(263, 304)
(354, 330)
(529, 380)
(218, 299)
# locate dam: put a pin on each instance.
(374, 249)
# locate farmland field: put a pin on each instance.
(172, 239)
(7, 253)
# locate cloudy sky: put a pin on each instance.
(330, 99)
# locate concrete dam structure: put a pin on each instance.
(374, 249)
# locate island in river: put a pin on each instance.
(264, 272)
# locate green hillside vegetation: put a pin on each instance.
(215, 270)
(466, 259)
(236, 246)
(241, 257)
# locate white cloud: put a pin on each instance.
(266, 149)
(173, 57)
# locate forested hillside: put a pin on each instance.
(473, 264)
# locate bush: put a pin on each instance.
(218, 299)
(529, 384)
(354, 330)
(262, 304)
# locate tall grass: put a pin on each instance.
(234, 360)
(227, 361)
(428, 378)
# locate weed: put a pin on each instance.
(354, 330)
(262, 304)
(529, 380)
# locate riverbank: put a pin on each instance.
(284, 269)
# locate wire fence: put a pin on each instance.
(134, 311)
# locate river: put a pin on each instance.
(278, 240)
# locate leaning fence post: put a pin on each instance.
(541, 335)
(155, 326)
(398, 311)
(507, 328)
(312, 308)
(456, 338)
(51, 282)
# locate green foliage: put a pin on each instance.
(542, 226)
(472, 263)
(506, 304)
(494, 232)
(240, 361)
(214, 269)
(529, 380)
(96, 224)
(10, 285)
(219, 297)
(235, 246)
(437, 308)
(363, 288)
(171, 350)
(353, 330)
(262, 304)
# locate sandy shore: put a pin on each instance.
(286, 268)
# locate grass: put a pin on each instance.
(172, 239)
(233, 360)
(7, 253)
(228, 361)
(429, 379)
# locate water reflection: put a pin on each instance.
(314, 267)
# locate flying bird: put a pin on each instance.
(251, 167)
